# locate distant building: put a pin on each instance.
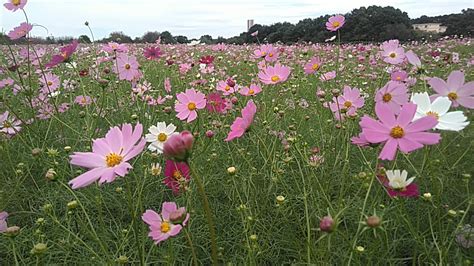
(249, 24)
(430, 27)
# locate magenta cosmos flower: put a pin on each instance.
(215, 103)
(399, 132)
(250, 91)
(312, 66)
(398, 185)
(20, 31)
(455, 89)
(152, 53)
(274, 74)
(167, 224)
(64, 55)
(335, 22)
(347, 103)
(393, 94)
(109, 155)
(176, 176)
(392, 52)
(127, 67)
(188, 103)
(14, 5)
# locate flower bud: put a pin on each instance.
(231, 170)
(12, 231)
(209, 133)
(39, 248)
(327, 224)
(178, 216)
(50, 174)
(178, 147)
(280, 199)
(373, 221)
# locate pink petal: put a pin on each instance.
(455, 80)
(87, 159)
(167, 208)
(439, 85)
(151, 218)
(389, 150)
(87, 178)
(406, 114)
(422, 124)
(385, 114)
(424, 137)
(407, 145)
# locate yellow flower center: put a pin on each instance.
(398, 78)
(264, 53)
(433, 114)
(392, 55)
(397, 132)
(127, 66)
(387, 97)
(191, 106)
(16, 2)
(347, 104)
(177, 175)
(315, 66)
(7, 124)
(251, 91)
(64, 55)
(83, 100)
(227, 88)
(275, 78)
(162, 137)
(50, 83)
(270, 54)
(165, 227)
(113, 159)
(336, 24)
(452, 96)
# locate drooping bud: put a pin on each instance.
(178, 147)
(178, 216)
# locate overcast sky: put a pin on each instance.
(193, 18)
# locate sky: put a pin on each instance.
(192, 18)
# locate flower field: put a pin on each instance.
(268, 154)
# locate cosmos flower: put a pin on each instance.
(225, 88)
(392, 52)
(312, 66)
(250, 91)
(167, 224)
(176, 176)
(454, 121)
(413, 59)
(455, 89)
(8, 124)
(158, 136)
(14, 5)
(64, 55)
(274, 74)
(127, 67)
(215, 103)
(399, 76)
(3, 221)
(20, 31)
(398, 132)
(83, 100)
(397, 184)
(50, 82)
(109, 156)
(241, 124)
(188, 103)
(152, 53)
(335, 22)
(347, 103)
(113, 47)
(393, 94)
(328, 76)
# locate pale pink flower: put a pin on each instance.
(312, 66)
(188, 103)
(250, 91)
(14, 5)
(241, 124)
(167, 224)
(335, 22)
(393, 94)
(274, 74)
(392, 52)
(127, 67)
(458, 92)
(20, 31)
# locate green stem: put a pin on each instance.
(190, 242)
(207, 210)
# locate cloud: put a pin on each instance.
(192, 18)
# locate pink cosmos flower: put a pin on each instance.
(347, 103)
(6, 82)
(83, 100)
(109, 156)
(225, 88)
(152, 53)
(393, 94)
(127, 67)
(263, 51)
(184, 68)
(360, 140)
(64, 55)
(167, 224)
(167, 85)
(392, 52)
(8, 124)
(455, 89)
(312, 66)
(178, 147)
(113, 47)
(328, 76)
(3, 221)
(215, 103)
(413, 59)
(188, 103)
(14, 5)
(274, 74)
(250, 91)
(50, 82)
(399, 132)
(177, 176)
(335, 22)
(241, 124)
(399, 76)
(20, 31)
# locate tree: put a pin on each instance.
(119, 36)
(167, 38)
(84, 39)
(181, 39)
(207, 39)
(150, 37)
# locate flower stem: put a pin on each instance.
(207, 210)
(190, 242)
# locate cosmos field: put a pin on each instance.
(262, 154)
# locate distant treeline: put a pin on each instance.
(365, 24)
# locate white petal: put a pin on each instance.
(404, 175)
(441, 105)
(422, 101)
(409, 181)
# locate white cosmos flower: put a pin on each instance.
(158, 135)
(398, 180)
(454, 121)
